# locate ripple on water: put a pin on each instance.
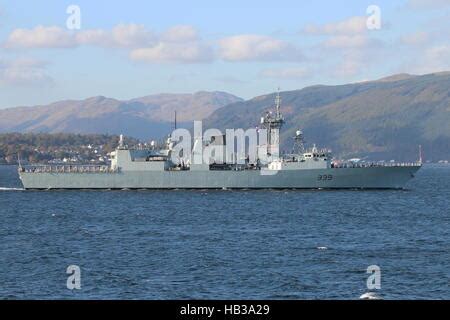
(233, 244)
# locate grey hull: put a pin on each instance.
(331, 178)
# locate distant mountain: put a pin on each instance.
(383, 119)
(145, 117)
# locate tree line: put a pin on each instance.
(43, 147)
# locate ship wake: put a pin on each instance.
(11, 189)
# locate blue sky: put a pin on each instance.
(126, 49)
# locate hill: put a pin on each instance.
(145, 117)
(383, 119)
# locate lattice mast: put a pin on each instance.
(273, 124)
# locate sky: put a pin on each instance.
(57, 50)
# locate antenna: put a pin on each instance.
(420, 154)
(121, 145)
(278, 102)
(18, 160)
(175, 122)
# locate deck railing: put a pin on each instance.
(375, 164)
(67, 169)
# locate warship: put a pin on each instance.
(155, 167)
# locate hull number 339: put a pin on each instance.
(324, 177)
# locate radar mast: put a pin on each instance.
(273, 125)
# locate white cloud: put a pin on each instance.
(345, 41)
(131, 35)
(182, 45)
(191, 52)
(257, 48)
(178, 44)
(181, 33)
(24, 71)
(94, 37)
(286, 73)
(353, 25)
(41, 37)
(122, 35)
